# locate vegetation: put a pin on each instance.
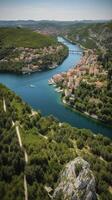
(93, 95)
(49, 145)
(11, 156)
(19, 37)
(92, 35)
(95, 36)
(94, 101)
(23, 50)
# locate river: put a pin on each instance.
(44, 98)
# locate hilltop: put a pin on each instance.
(23, 50)
(51, 149)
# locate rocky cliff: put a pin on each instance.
(76, 182)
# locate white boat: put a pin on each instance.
(51, 81)
(32, 86)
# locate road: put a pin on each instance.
(21, 146)
(19, 137)
(4, 105)
(26, 159)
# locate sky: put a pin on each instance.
(66, 10)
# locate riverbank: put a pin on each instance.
(29, 51)
(44, 98)
(33, 60)
(47, 141)
(73, 109)
(75, 43)
(83, 88)
(34, 70)
(85, 114)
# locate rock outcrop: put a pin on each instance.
(76, 182)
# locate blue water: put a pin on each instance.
(44, 98)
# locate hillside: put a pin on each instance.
(48, 26)
(95, 35)
(23, 50)
(87, 87)
(48, 146)
(18, 37)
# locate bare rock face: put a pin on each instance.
(76, 182)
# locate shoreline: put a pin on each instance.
(86, 114)
(69, 116)
(35, 70)
(83, 114)
(63, 101)
(75, 43)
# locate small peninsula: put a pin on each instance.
(26, 51)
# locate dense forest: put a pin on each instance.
(86, 101)
(49, 145)
(11, 156)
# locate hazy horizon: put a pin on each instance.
(50, 20)
(59, 10)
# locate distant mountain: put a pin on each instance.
(33, 23)
(51, 27)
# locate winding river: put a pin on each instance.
(46, 99)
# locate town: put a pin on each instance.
(32, 59)
(89, 71)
